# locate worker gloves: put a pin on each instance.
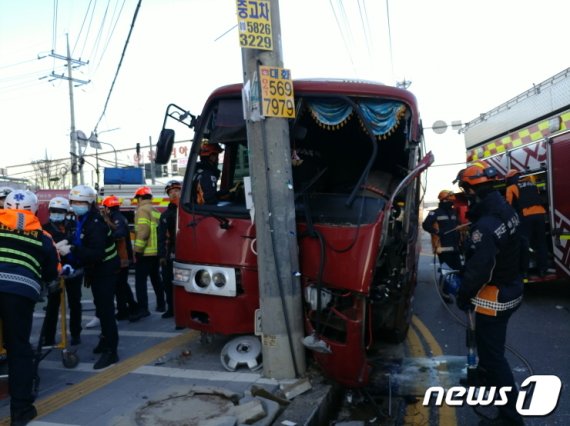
(63, 247)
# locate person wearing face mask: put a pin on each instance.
(93, 248)
(442, 223)
(60, 228)
(166, 242)
(28, 259)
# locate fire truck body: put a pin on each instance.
(356, 149)
(531, 133)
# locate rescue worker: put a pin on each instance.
(92, 247)
(205, 180)
(4, 191)
(146, 253)
(60, 229)
(492, 283)
(29, 257)
(167, 241)
(524, 196)
(442, 224)
(126, 304)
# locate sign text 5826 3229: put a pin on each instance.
(277, 92)
(254, 24)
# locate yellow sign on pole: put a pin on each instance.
(277, 95)
(254, 24)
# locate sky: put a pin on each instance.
(462, 57)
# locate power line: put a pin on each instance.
(119, 66)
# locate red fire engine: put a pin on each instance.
(531, 134)
(357, 156)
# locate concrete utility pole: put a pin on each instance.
(75, 167)
(277, 251)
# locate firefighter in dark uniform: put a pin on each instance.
(126, 304)
(523, 195)
(492, 280)
(29, 257)
(167, 241)
(93, 248)
(205, 180)
(442, 223)
(60, 229)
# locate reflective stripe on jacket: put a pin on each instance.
(146, 224)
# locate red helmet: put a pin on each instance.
(476, 174)
(446, 194)
(111, 201)
(207, 149)
(143, 190)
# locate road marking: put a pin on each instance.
(447, 415)
(416, 413)
(60, 399)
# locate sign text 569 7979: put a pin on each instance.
(277, 92)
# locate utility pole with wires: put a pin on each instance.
(272, 189)
(76, 159)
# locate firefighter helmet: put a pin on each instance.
(83, 193)
(172, 184)
(446, 194)
(512, 173)
(477, 173)
(111, 201)
(208, 148)
(61, 203)
(4, 191)
(143, 190)
(22, 200)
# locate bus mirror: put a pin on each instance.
(164, 146)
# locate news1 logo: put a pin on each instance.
(538, 395)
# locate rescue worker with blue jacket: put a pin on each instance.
(29, 258)
(93, 248)
(492, 280)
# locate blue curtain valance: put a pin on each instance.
(383, 116)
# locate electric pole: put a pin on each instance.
(73, 150)
(272, 188)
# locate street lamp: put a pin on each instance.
(96, 144)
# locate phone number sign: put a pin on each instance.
(254, 24)
(277, 92)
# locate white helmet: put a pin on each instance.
(59, 203)
(4, 191)
(83, 193)
(22, 200)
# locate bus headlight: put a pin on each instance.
(206, 279)
(219, 279)
(203, 278)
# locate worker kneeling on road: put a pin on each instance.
(29, 257)
(93, 248)
(492, 280)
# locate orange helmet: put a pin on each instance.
(207, 149)
(476, 174)
(111, 201)
(446, 194)
(143, 190)
(512, 173)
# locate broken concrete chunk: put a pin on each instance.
(297, 388)
(250, 412)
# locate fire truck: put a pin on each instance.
(357, 155)
(531, 134)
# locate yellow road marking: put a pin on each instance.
(61, 399)
(446, 413)
(416, 414)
